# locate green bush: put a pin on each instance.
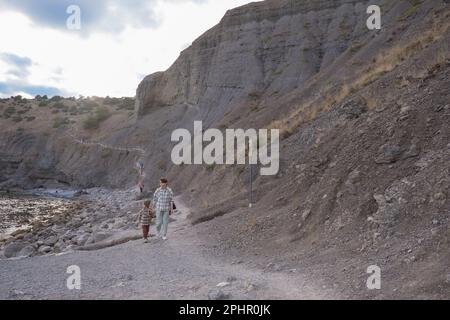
(255, 95)
(106, 153)
(93, 121)
(23, 111)
(56, 98)
(126, 104)
(102, 114)
(162, 165)
(58, 105)
(73, 110)
(59, 122)
(87, 105)
(111, 101)
(91, 104)
(61, 106)
(9, 112)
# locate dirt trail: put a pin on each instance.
(181, 267)
(139, 150)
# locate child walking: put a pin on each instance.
(145, 218)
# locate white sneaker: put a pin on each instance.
(164, 238)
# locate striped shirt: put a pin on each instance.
(145, 217)
(163, 199)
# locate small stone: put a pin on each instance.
(15, 293)
(223, 284)
(50, 241)
(44, 249)
(81, 239)
(389, 154)
(306, 214)
(250, 286)
(217, 294)
(439, 196)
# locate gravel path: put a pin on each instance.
(179, 268)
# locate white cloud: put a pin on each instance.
(107, 63)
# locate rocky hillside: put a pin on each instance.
(58, 142)
(364, 116)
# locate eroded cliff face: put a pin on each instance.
(279, 64)
(255, 51)
(364, 121)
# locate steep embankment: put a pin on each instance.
(364, 118)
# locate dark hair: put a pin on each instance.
(147, 203)
(163, 180)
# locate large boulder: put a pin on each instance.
(27, 251)
(50, 241)
(13, 249)
(81, 239)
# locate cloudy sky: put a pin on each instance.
(119, 42)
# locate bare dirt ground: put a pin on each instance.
(182, 267)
